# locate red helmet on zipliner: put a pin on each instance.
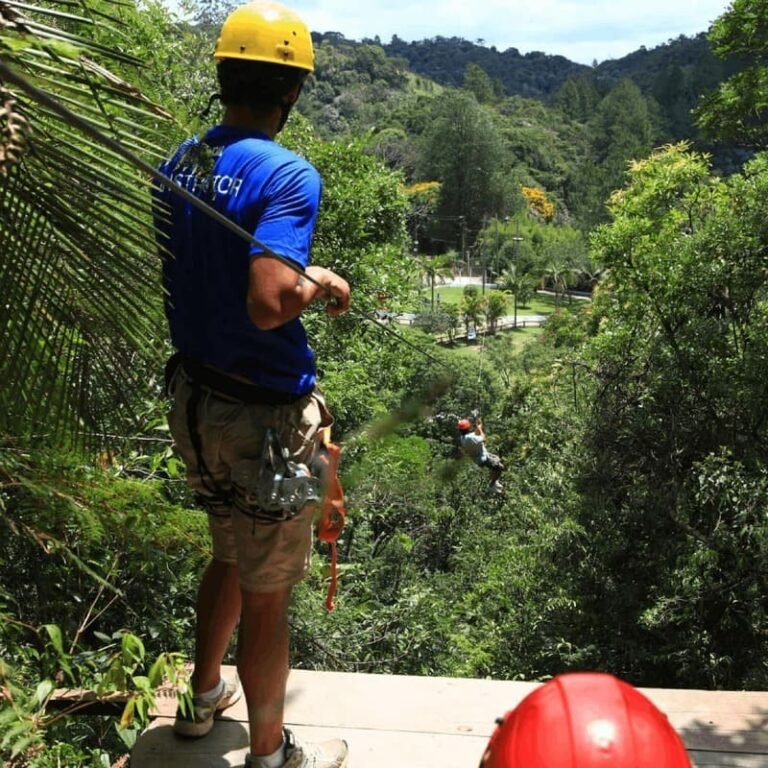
(585, 720)
(464, 425)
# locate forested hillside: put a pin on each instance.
(631, 533)
(566, 128)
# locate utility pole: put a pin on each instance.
(517, 239)
(463, 242)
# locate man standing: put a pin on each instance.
(473, 445)
(246, 415)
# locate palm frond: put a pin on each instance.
(81, 303)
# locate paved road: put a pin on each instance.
(407, 318)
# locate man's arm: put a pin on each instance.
(479, 429)
(277, 294)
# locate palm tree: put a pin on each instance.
(81, 303)
(437, 268)
(557, 274)
(517, 284)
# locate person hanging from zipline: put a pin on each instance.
(472, 441)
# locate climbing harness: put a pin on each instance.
(276, 488)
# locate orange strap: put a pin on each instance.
(332, 511)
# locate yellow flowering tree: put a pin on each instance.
(538, 203)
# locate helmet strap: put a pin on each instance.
(214, 97)
(285, 110)
(286, 107)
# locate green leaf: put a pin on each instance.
(43, 691)
(54, 634)
(127, 717)
(157, 671)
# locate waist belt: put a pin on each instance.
(234, 389)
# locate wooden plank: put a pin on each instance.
(386, 702)
(81, 701)
(87, 702)
(415, 719)
(726, 760)
(227, 745)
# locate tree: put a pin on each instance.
(76, 226)
(564, 250)
(517, 283)
(79, 355)
(437, 268)
(538, 203)
(738, 110)
(462, 150)
(495, 307)
(622, 129)
(396, 149)
(423, 198)
(477, 82)
(471, 306)
(578, 97)
(556, 275)
(451, 312)
(676, 459)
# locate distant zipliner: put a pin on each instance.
(472, 441)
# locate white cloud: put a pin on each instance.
(582, 30)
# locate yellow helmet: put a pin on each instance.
(263, 30)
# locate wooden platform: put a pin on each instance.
(427, 722)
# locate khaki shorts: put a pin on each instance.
(269, 555)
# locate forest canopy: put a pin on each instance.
(631, 534)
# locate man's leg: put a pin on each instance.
(262, 663)
(495, 468)
(218, 611)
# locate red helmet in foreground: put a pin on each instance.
(585, 720)
(464, 425)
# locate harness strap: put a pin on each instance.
(223, 384)
(332, 510)
(193, 428)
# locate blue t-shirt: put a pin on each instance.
(267, 190)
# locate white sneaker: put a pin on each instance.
(200, 721)
(325, 754)
(497, 488)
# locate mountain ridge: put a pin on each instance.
(538, 74)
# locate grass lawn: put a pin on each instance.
(517, 338)
(538, 304)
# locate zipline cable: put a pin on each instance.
(480, 371)
(78, 122)
(75, 120)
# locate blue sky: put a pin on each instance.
(581, 30)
